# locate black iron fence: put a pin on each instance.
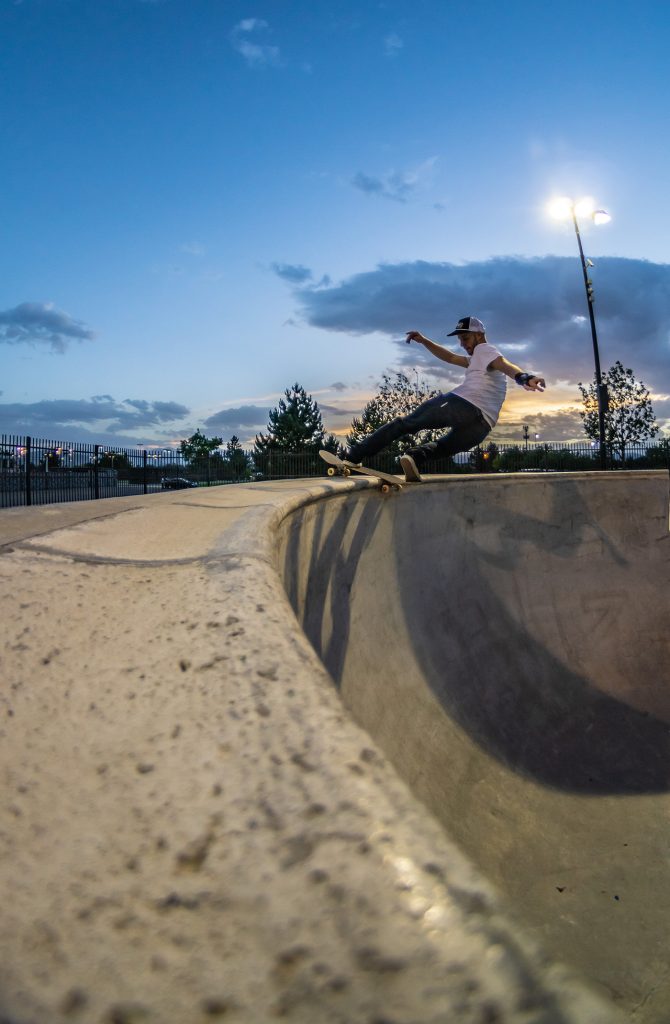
(540, 457)
(34, 471)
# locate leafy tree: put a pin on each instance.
(295, 425)
(658, 455)
(513, 459)
(397, 396)
(485, 460)
(198, 446)
(630, 417)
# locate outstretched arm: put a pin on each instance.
(437, 350)
(532, 381)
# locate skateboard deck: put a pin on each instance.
(387, 482)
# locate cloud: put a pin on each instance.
(337, 386)
(33, 323)
(534, 309)
(250, 25)
(244, 418)
(399, 186)
(393, 44)
(100, 418)
(244, 38)
(554, 427)
(156, 412)
(294, 274)
(338, 414)
(193, 248)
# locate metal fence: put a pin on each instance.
(34, 471)
(542, 458)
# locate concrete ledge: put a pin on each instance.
(193, 827)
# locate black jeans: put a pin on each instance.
(468, 428)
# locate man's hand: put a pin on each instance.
(416, 336)
(528, 381)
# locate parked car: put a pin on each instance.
(176, 483)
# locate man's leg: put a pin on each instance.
(432, 414)
(469, 428)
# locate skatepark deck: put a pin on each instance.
(505, 641)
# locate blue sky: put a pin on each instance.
(204, 201)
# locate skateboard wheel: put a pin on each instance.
(385, 488)
(346, 471)
(331, 471)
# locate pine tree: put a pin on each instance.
(396, 396)
(236, 460)
(630, 417)
(295, 425)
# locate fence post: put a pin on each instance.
(144, 470)
(29, 493)
(96, 479)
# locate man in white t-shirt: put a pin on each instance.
(471, 409)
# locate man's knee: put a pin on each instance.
(394, 428)
(410, 424)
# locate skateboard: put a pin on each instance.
(343, 468)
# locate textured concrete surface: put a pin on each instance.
(506, 642)
(193, 827)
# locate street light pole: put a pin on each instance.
(562, 209)
(603, 399)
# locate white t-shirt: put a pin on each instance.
(484, 388)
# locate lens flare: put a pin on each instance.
(560, 208)
(585, 206)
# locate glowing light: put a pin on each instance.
(563, 208)
(560, 208)
(585, 206)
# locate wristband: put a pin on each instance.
(523, 378)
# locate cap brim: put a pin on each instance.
(462, 330)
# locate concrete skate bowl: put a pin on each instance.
(505, 640)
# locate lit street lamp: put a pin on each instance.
(562, 209)
(526, 435)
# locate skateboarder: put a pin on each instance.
(471, 409)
